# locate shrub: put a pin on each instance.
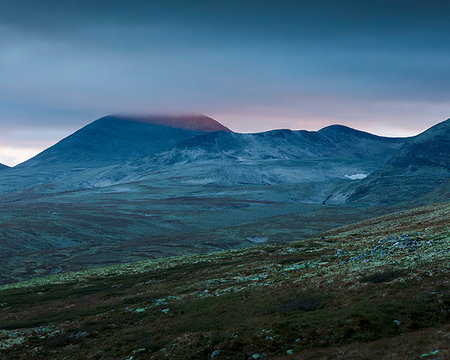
(382, 276)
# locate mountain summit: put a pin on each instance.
(113, 139)
(188, 122)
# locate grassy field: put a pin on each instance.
(378, 289)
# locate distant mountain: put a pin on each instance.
(333, 141)
(113, 139)
(419, 167)
(274, 157)
(3, 167)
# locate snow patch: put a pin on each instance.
(257, 240)
(356, 176)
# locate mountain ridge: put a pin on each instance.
(420, 166)
(286, 143)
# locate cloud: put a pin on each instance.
(380, 66)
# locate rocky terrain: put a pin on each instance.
(375, 289)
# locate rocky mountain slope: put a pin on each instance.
(419, 167)
(334, 141)
(108, 141)
(273, 157)
(375, 289)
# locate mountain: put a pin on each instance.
(113, 139)
(419, 167)
(3, 167)
(190, 191)
(333, 141)
(335, 153)
(108, 141)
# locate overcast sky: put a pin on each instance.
(379, 66)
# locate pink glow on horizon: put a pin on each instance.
(253, 124)
(13, 152)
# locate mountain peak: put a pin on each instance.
(113, 138)
(185, 121)
(342, 129)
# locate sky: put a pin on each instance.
(379, 66)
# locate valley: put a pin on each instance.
(150, 190)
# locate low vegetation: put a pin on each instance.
(376, 289)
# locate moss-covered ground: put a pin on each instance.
(373, 290)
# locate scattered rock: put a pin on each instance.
(215, 353)
(435, 352)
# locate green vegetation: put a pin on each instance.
(376, 289)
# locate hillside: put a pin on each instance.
(3, 167)
(419, 167)
(108, 141)
(379, 287)
(272, 157)
(334, 141)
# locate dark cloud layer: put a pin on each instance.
(254, 65)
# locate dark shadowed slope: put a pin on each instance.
(3, 167)
(419, 167)
(438, 195)
(112, 139)
(360, 144)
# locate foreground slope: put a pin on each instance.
(376, 289)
